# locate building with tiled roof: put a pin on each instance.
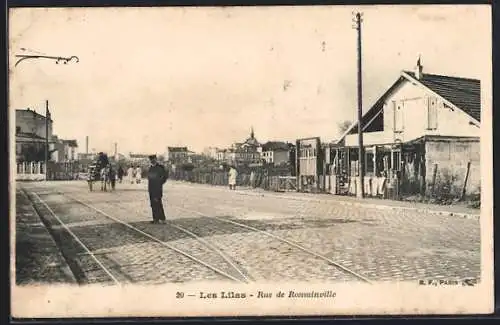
(464, 93)
(424, 131)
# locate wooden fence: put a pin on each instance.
(30, 171)
(35, 171)
(263, 180)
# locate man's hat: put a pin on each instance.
(151, 157)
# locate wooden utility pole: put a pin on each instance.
(361, 188)
(47, 118)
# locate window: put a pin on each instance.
(18, 129)
(396, 160)
(398, 116)
(432, 107)
(369, 162)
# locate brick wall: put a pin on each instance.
(451, 157)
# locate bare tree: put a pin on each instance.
(343, 126)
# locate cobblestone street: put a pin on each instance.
(376, 244)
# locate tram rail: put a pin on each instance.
(289, 242)
(241, 278)
(284, 240)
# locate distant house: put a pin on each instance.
(276, 152)
(177, 155)
(245, 153)
(421, 136)
(140, 159)
(30, 134)
(211, 152)
(221, 155)
(70, 150)
(31, 131)
(195, 158)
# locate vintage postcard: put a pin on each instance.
(243, 161)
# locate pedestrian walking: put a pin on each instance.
(120, 173)
(130, 174)
(104, 178)
(112, 177)
(232, 178)
(138, 174)
(91, 176)
(157, 176)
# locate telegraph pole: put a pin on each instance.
(361, 188)
(47, 118)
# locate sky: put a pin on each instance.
(149, 78)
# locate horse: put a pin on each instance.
(105, 178)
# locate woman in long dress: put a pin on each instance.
(138, 175)
(232, 178)
(130, 174)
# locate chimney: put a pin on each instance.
(87, 144)
(418, 69)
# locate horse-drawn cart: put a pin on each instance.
(100, 171)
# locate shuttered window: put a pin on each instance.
(398, 116)
(432, 109)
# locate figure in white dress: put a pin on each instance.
(232, 178)
(138, 175)
(130, 174)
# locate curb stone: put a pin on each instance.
(63, 265)
(375, 206)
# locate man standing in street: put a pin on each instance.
(157, 176)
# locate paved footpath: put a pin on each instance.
(38, 259)
(380, 244)
(456, 210)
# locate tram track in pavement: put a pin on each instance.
(240, 273)
(247, 227)
(291, 243)
(86, 267)
(92, 265)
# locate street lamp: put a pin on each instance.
(57, 59)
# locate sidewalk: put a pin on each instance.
(460, 211)
(449, 210)
(38, 259)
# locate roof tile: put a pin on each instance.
(462, 92)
